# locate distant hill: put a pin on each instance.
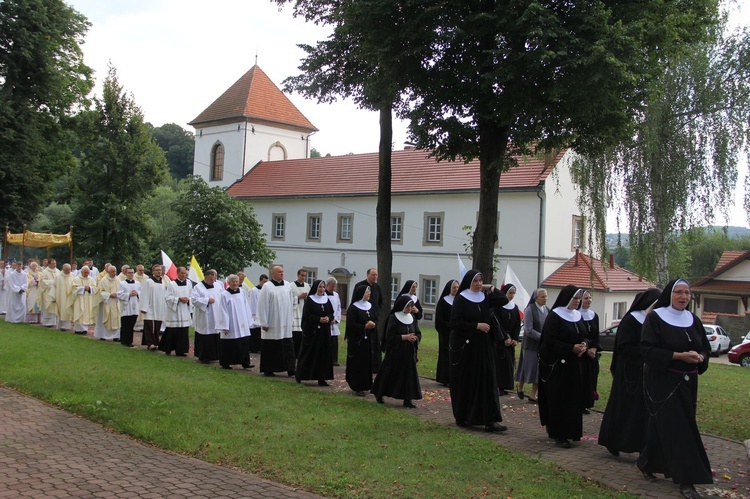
(732, 231)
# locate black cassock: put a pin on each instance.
(443, 327)
(359, 348)
(673, 443)
(397, 376)
(624, 422)
(507, 326)
(589, 366)
(473, 384)
(315, 351)
(561, 399)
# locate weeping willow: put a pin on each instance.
(681, 167)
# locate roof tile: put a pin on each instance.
(255, 97)
(590, 273)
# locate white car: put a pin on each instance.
(718, 338)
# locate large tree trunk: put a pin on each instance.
(383, 211)
(493, 144)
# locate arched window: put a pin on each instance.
(217, 162)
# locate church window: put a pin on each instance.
(217, 162)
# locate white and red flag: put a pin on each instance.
(170, 268)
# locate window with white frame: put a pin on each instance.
(345, 226)
(619, 309)
(314, 226)
(279, 226)
(395, 286)
(433, 229)
(312, 276)
(397, 227)
(578, 239)
(429, 290)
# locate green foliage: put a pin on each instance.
(314, 153)
(162, 218)
(55, 218)
(42, 80)
(221, 231)
(121, 165)
(179, 146)
(680, 168)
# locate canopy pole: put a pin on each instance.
(71, 245)
(23, 242)
(5, 244)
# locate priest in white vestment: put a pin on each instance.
(300, 290)
(335, 300)
(255, 339)
(233, 321)
(141, 278)
(33, 310)
(46, 294)
(86, 300)
(205, 300)
(153, 307)
(177, 334)
(17, 284)
(3, 293)
(128, 293)
(64, 298)
(276, 315)
(108, 316)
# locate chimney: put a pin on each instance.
(576, 262)
(611, 260)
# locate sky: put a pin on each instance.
(177, 56)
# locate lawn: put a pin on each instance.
(314, 439)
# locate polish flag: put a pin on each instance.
(171, 268)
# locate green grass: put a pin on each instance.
(318, 440)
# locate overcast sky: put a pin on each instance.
(178, 56)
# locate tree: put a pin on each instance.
(179, 146)
(513, 78)
(42, 80)
(121, 165)
(314, 153)
(680, 167)
(221, 231)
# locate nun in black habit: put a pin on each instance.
(506, 323)
(675, 351)
(624, 422)
(410, 289)
(361, 331)
(473, 384)
(590, 361)
(443, 327)
(561, 347)
(315, 361)
(397, 376)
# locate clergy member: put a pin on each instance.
(255, 340)
(233, 321)
(86, 298)
(140, 277)
(64, 298)
(123, 273)
(128, 292)
(205, 297)
(108, 316)
(17, 285)
(46, 295)
(376, 299)
(33, 277)
(153, 307)
(177, 335)
(300, 289)
(3, 293)
(275, 315)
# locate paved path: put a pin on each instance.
(46, 452)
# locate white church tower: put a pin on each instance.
(252, 121)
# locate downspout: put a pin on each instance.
(539, 248)
(244, 151)
(307, 145)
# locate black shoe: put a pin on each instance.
(645, 474)
(290, 373)
(226, 367)
(180, 355)
(379, 399)
(269, 374)
(562, 443)
(532, 401)
(114, 340)
(248, 366)
(322, 382)
(493, 427)
(586, 411)
(409, 404)
(461, 424)
(614, 452)
(689, 492)
(359, 394)
(520, 395)
(502, 392)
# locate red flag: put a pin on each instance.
(170, 268)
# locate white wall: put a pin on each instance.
(739, 272)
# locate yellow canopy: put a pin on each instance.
(38, 240)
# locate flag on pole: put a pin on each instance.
(522, 296)
(249, 282)
(461, 268)
(169, 266)
(195, 273)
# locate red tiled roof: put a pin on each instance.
(357, 174)
(254, 97)
(591, 273)
(733, 288)
(728, 260)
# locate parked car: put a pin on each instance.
(718, 338)
(607, 338)
(740, 354)
(746, 338)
